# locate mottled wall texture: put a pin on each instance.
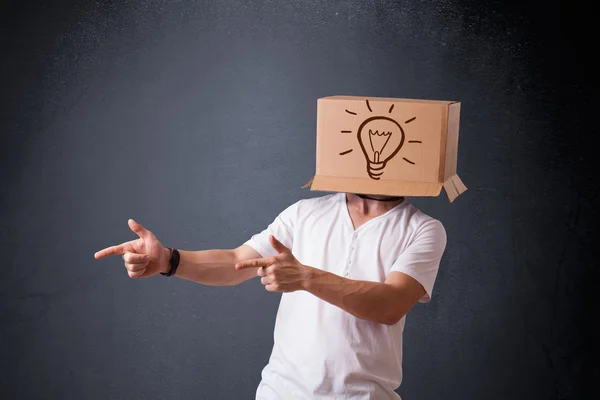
(197, 118)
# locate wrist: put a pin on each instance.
(166, 258)
(310, 275)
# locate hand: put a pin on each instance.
(144, 257)
(281, 273)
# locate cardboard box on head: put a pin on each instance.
(386, 146)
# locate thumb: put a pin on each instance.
(139, 229)
(278, 246)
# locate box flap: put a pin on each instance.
(307, 184)
(454, 187)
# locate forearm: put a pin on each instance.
(211, 267)
(372, 301)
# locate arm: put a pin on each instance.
(385, 303)
(410, 280)
(215, 267)
(145, 257)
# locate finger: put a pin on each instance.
(256, 263)
(136, 274)
(135, 267)
(270, 270)
(139, 229)
(272, 288)
(111, 251)
(264, 271)
(135, 258)
(266, 280)
(278, 246)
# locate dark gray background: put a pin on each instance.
(197, 118)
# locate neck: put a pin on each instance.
(380, 198)
(372, 205)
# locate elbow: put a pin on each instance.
(390, 321)
(231, 283)
(392, 318)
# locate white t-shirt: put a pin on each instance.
(321, 351)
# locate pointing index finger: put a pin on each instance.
(111, 251)
(256, 263)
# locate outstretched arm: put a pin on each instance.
(146, 256)
(216, 267)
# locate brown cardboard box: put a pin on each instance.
(385, 146)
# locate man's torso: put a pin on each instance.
(320, 350)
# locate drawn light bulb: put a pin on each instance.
(380, 139)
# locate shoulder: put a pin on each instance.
(423, 224)
(320, 202)
(310, 206)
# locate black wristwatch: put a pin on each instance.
(173, 262)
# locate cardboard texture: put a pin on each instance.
(386, 146)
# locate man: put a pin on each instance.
(350, 267)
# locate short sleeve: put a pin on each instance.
(283, 230)
(421, 259)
